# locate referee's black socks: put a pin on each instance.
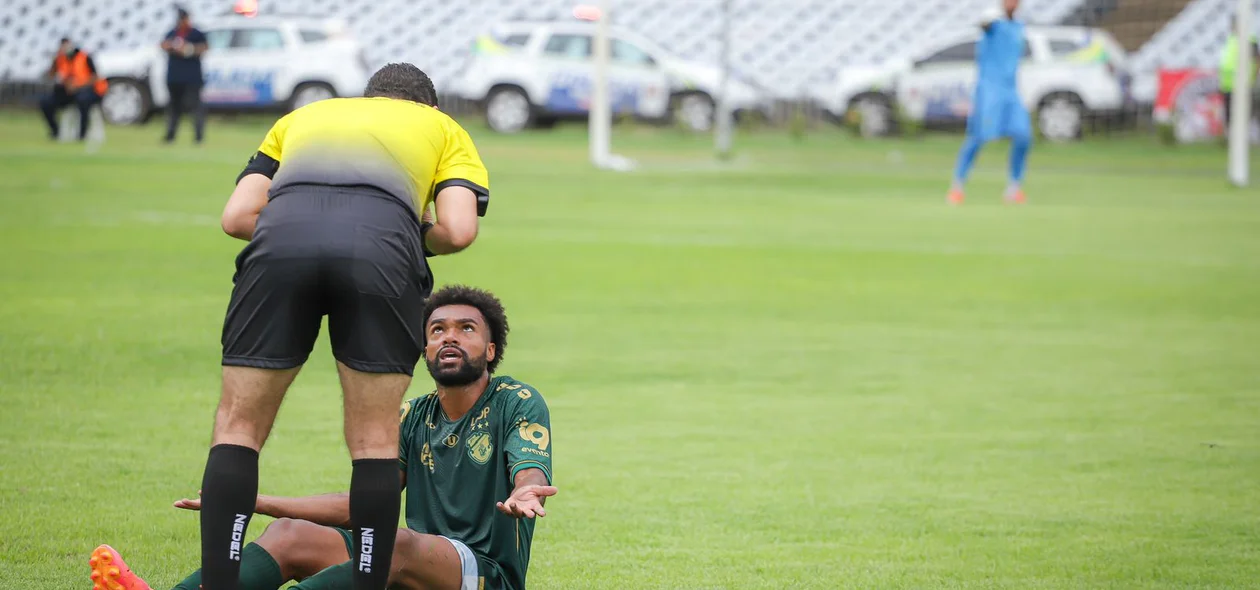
(229, 490)
(374, 503)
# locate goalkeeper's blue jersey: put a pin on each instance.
(998, 55)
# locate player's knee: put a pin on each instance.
(405, 544)
(281, 535)
(404, 571)
(284, 540)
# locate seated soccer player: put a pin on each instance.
(461, 447)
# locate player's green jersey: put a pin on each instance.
(457, 471)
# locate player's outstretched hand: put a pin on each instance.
(187, 504)
(526, 501)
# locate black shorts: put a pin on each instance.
(351, 254)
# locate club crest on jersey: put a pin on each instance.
(479, 447)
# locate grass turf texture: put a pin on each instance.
(797, 369)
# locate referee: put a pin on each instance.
(331, 206)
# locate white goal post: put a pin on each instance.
(1240, 120)
(601, 99)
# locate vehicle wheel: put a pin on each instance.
(874, 115)
(309, 92)
(127, 102)
(694, 111)
(1061, 117)
(508, 110)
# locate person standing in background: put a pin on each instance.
(184, 45)
(996, 107)
(1229, 65)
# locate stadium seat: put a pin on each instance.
(784, 45)
(1193, 39)
(68, 124)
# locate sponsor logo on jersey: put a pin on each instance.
(480, 421)
(480, 447)
(426, 457)
(535, 434)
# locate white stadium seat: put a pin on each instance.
(68, 125)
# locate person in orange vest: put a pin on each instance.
(76, 83)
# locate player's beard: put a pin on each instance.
(470, 369)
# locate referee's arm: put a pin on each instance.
(456, 225)
(240, 215)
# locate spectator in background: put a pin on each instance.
(75, 82)
(184, 45)
(1229, 66)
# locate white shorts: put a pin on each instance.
(468, 562)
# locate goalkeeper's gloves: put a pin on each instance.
(990, 16)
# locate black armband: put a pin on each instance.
(424, 232)
(260, 163)
(483, 194)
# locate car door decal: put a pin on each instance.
(570, 93)
(239, 87)
(947, 101)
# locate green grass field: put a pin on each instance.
(797, 369)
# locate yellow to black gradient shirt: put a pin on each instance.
(407, 149)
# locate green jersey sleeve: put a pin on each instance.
(406, 432)
(528, 433)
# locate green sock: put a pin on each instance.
(259, 571)
(336, 577)
(192, 582)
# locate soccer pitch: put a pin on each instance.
(798, 369)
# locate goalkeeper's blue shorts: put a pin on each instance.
(998, 113)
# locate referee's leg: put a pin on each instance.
(270, 327)
(374, 325)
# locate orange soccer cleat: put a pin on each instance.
(1015, 196)
(955, 196)
(110, 572)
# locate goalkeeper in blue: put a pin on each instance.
(996, 109)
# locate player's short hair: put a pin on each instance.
(485, 302)
(403, 81)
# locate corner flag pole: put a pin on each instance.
(1240, 122)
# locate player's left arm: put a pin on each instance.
(240, 215)
(529, 494)
(528, 450)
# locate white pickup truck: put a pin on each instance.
(264, 62)
(533, 73)
(1068, 75)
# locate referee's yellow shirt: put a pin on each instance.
(403, 148)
